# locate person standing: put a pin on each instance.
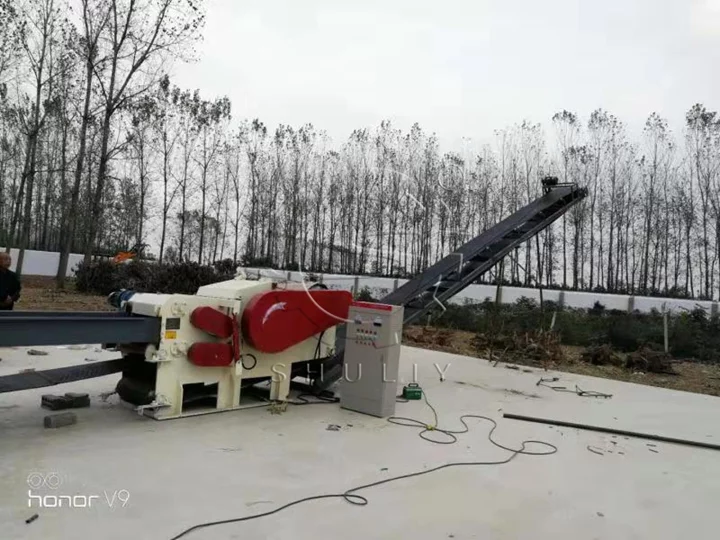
(9, 283)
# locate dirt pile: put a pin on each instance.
(421, 335)
(538, 347)
(649, 360)
(602, 355)
(645, 359)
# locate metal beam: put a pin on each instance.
(29, 379)
(21, 329)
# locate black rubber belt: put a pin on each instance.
(27, 380)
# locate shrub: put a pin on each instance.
(628, 332)
(692, 334)
(104, 277)
(365, 295)
(183, 278)
(257, 262)
(597, 309)
(99, 277)
(456, 317)
(225, 267)
(526, 304)
(577, 328)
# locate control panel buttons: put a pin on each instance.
(366, 337)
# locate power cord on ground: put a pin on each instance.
(579, 391)
(322, 397)
(351, 495)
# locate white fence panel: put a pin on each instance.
(380, 286)
(43, 263)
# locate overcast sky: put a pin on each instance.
(461, 68)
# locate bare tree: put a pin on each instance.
(137, 35)
(107, 149)
(211, 118)
(12, 37)
(703, 140)
(166, 135)
(86, 47)
(40, 43)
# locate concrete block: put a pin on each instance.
(78, 400)
(55, 403)
(71, 400)
(60, 420)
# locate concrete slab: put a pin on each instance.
(178, 473)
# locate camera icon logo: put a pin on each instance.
(38, 480)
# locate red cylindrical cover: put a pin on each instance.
(211, 354)
(276, 320)
(212, 321)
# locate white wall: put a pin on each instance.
(43, 263)
(478, 293)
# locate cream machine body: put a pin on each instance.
(228, 336)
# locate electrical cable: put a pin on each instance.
(259, 406)
(350, 496)
(579, 391)
(433, 428)
(242, 362)
(319, 398)
(302, 400)
(316, 354)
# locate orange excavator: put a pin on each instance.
(133, 253)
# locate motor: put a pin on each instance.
(118, 299)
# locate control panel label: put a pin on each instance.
(172, 323)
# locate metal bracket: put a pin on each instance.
(158, 403)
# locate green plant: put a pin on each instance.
(692, 334)
(365, 295)
(100, 277)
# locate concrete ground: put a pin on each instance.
(155, 479)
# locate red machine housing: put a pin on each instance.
(272, 322)
(211, 354)
(219, 325)
(276, 320)
(212, 321)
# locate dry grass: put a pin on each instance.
(40, 294)
(691, 376)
